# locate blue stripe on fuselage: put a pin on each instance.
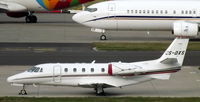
(174, 17)
(41, 3)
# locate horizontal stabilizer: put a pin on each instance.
(161, 76)
(169, 61)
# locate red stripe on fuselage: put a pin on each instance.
(84, 1)
(110, 69)
(149, 73)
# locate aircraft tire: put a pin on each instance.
(31, 19)
(103, 37)
(23, 92)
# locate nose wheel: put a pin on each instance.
(103, 37)
(31, 19)
(23, 91)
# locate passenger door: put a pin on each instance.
(57, 73)
(112, 16)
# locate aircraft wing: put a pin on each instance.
(11, 7)
(114, 81)
(105, 85)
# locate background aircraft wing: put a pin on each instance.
(3, 6)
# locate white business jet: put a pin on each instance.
(104, 75)
(146, 15)
(26, 8)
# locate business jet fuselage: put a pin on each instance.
(104, 75)
(22, 8)
(178, 16)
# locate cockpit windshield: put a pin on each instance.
(91, 9)
(35, 69)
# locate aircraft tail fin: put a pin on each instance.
(175, 53)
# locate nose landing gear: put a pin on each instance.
(23, 91)
(103, 37)
(102, 31)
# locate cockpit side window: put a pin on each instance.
(41, 69)
(91, 9)
(37, 69)
(31, 69)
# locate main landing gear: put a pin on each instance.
(99, 90)
(30, 18)
(23, 91)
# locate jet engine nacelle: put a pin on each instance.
(182, 28)
(17, 14)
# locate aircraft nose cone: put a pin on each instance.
(10, 79)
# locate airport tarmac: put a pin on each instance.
(185, 83)
(60, 28)
(37, 53)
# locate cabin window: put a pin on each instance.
(143, 11)
(174, 12)
(190, 12)
(156, 11)
(132, 11)
(148, 11)
(127, 11)
(83, 69)
(161, 11)
(166, 12)
(194, 12)
(182, 12)
(102, 69)
(66, 69)
(140, 11)
(135, 11)
(186, 12)
(92, 69)
(152, 11)
(74, 70)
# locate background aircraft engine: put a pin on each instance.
(185, 29)
(17, 14)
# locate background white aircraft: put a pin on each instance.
(22, 8)
(104, 75)
(178, 16)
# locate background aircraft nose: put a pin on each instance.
(76, 18)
